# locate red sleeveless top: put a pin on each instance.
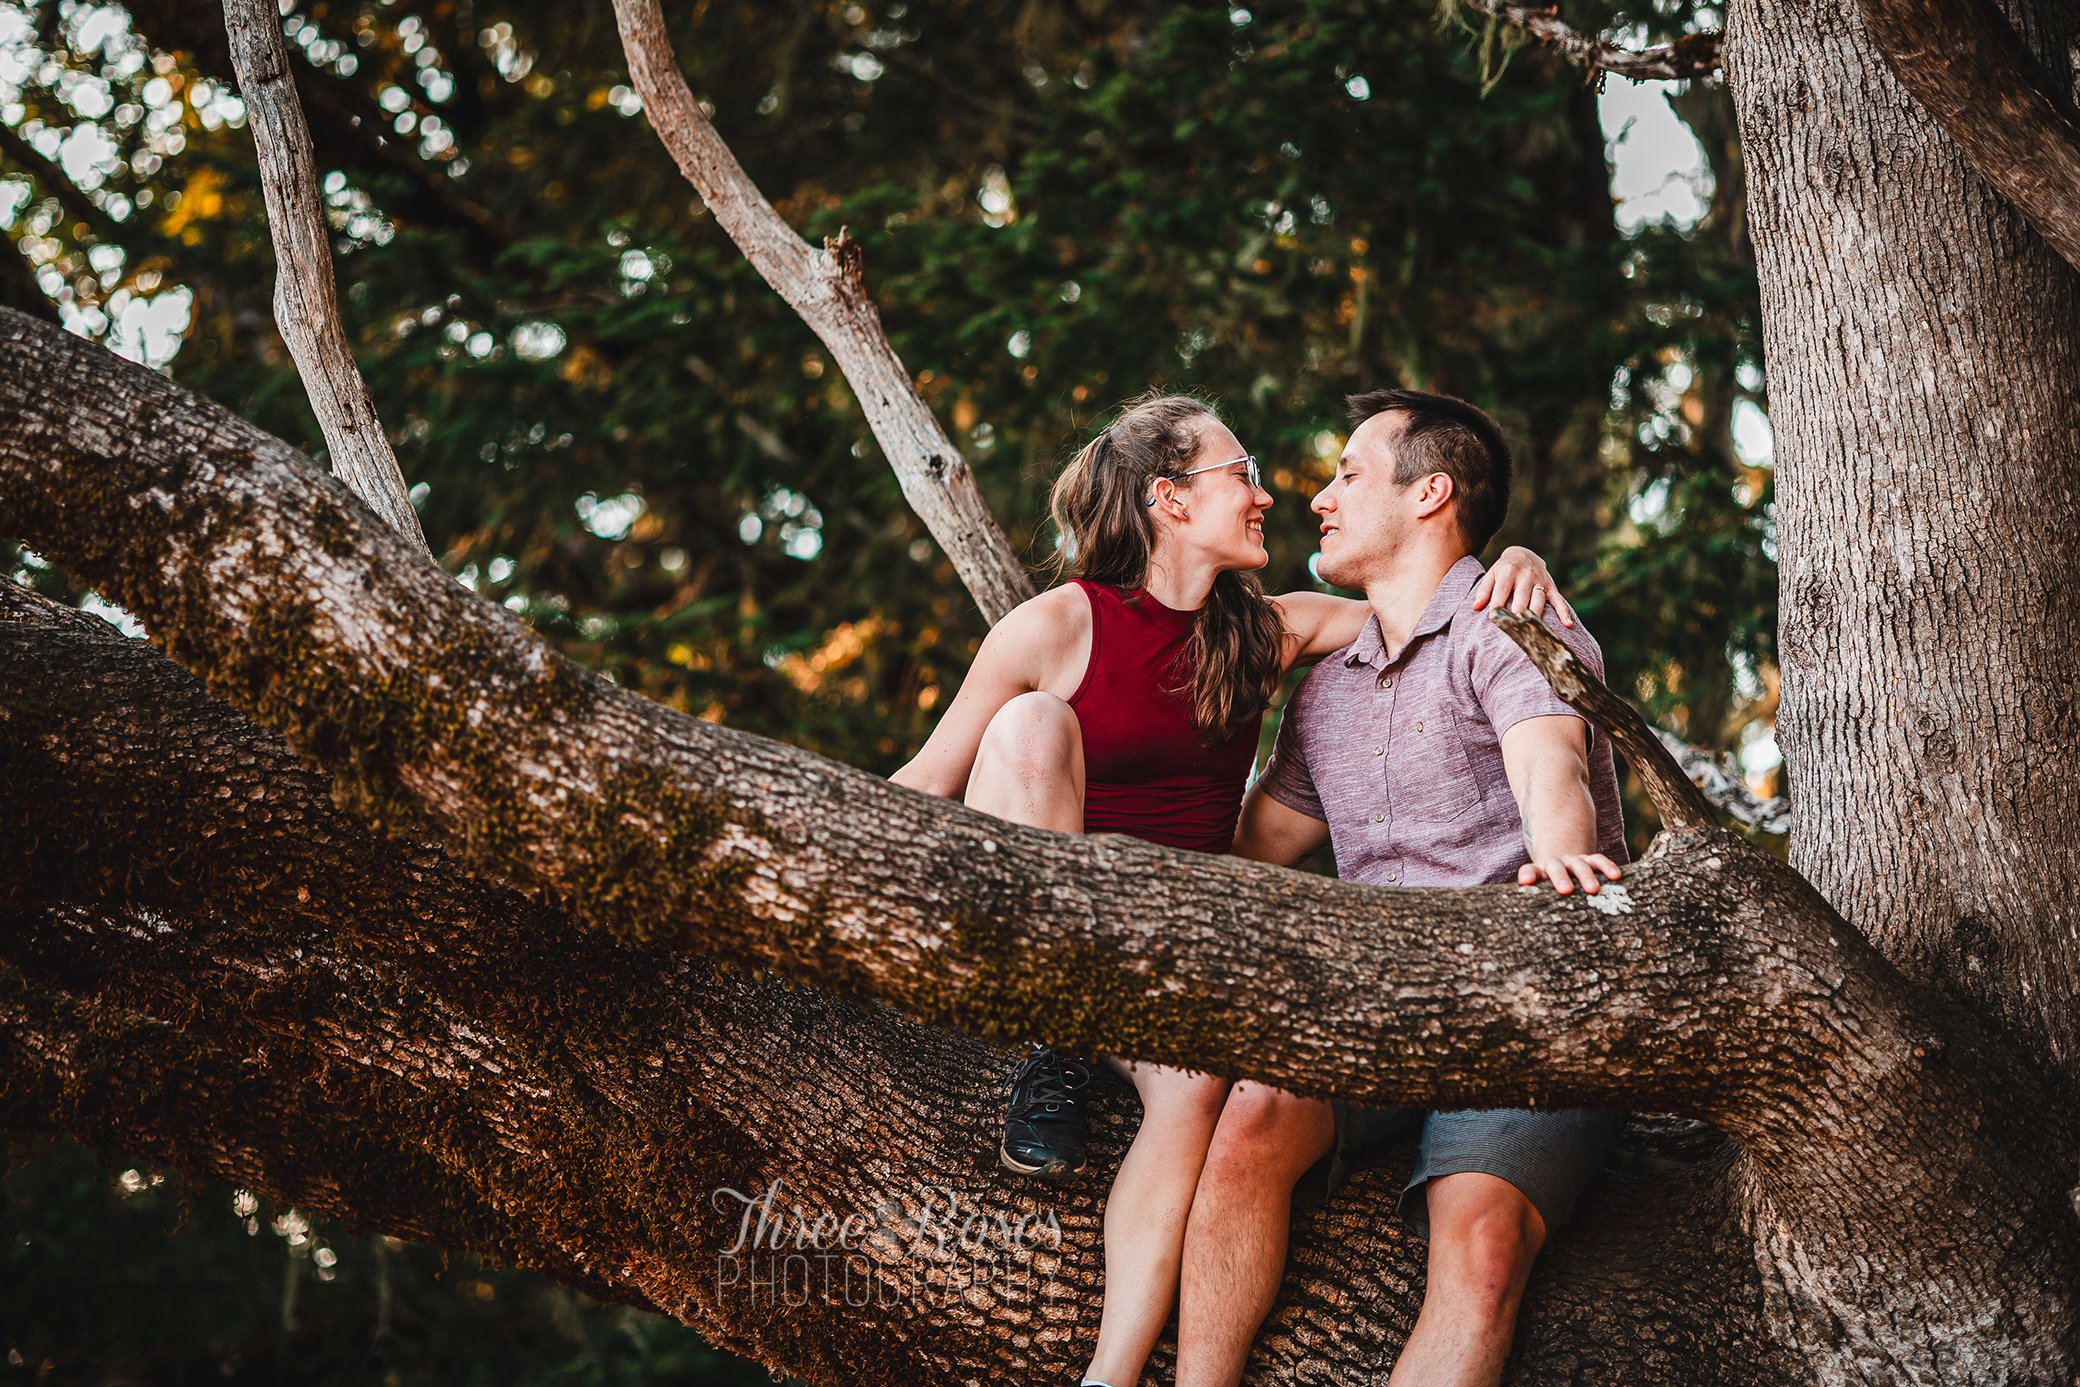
(1146, 772)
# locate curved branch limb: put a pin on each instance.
(2013, 119)
(1681, 804)
(1693, 55)
(826, 288)
(306, 301)
(1712, 981)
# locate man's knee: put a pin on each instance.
(1032, 734)
(1266, 1133)
(1484, 1236)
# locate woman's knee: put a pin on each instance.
(1033, 734)
(1177, 1097)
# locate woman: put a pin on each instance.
(1128, 701)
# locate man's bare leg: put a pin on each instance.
(1235, 1240)
(1145, 1214)
(1484, 1236)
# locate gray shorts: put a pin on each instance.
(1551, 1155)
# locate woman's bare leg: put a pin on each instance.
(1145, 1213)
(1029, 768)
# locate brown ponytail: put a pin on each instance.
(1100, 513)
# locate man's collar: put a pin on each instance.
(1444, 604)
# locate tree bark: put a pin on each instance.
(1875, 1116)
(1923, 345)
(2009, 112)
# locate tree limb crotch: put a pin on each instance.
(2013, 118)
(827, 289)
(306, 301)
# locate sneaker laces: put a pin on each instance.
(1049, 1083)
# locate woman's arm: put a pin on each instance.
(1317, 622)
(1521, 580)
(1035, 647)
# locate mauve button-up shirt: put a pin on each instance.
(1403, 760)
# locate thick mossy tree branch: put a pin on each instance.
(1712, 981)
(1693, 55)
(306, 300)
(205, 964)
(2013, 118)
(828, 289)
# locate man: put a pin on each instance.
(1430, 752)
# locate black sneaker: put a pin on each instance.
(1044, 1130)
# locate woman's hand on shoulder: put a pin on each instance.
(1318, 622)
(1029, 650)
(1521, 582)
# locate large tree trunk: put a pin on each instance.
(505, 1043)
(1924, 349)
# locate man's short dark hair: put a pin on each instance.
(1441, 433)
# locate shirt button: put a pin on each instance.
(1379, 818)
(1419, 727)
(1386, 683)
(1393, 877)
(1379, 751)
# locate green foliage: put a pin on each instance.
(624, 434)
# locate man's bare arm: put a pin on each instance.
(1271, 832)
(1547, 762)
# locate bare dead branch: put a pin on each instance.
(2014, 120)
(1680, 803)
(306, 301)
(1716, 777)
(827, 289)
(1693, 55)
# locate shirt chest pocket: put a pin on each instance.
(1432, 775)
